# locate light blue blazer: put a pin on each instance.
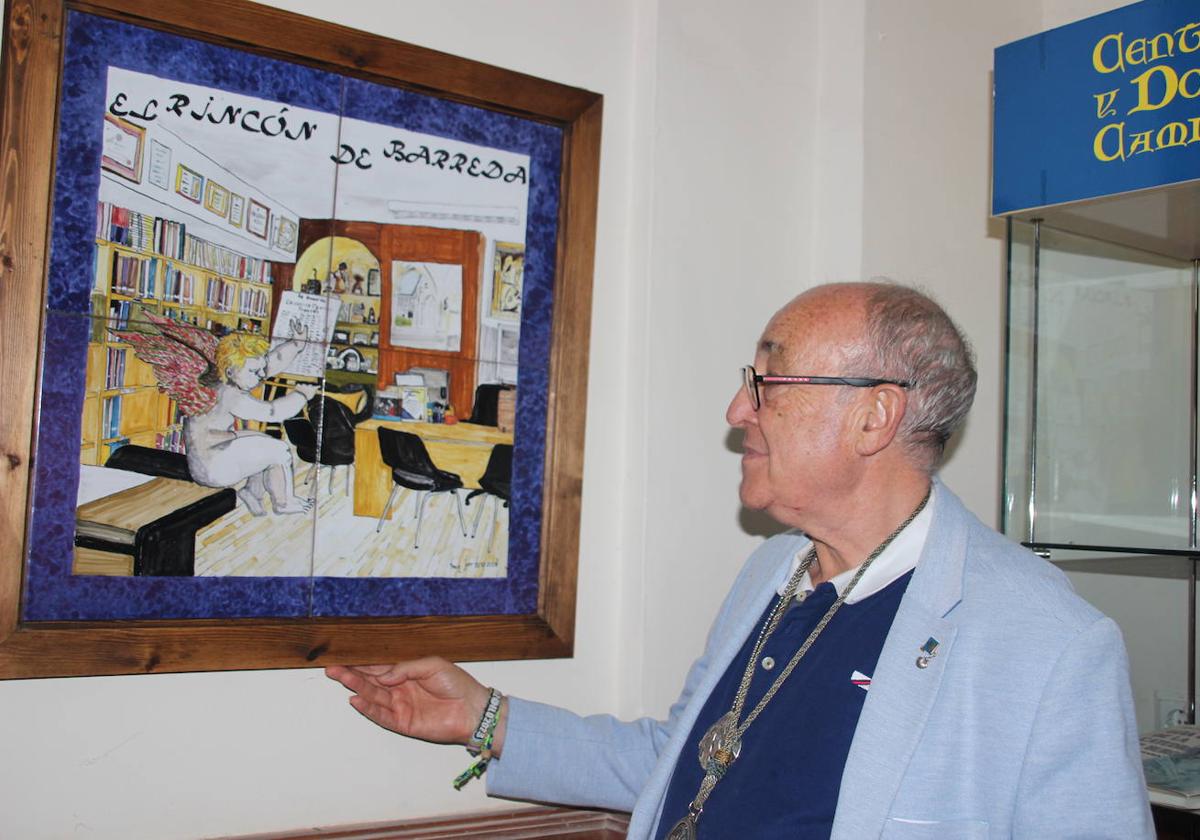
(1021, 726)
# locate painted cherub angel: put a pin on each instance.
(211, 380)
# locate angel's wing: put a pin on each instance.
(200, 340)
(183, 358)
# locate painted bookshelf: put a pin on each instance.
(354, 353)
(151, 263)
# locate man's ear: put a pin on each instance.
(879, 418)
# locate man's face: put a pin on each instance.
(797, 452)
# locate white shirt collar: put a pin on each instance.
(897, 560)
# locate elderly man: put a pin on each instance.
(891, 668)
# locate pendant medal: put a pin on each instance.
(685, 829)
(722, 735)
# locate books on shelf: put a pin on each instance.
(139, 277)
(170, 439)
(224, 261)
(114, 372)
(139, 230)
(134, 276)
(1171, 762)
(182, 316)
(110, 424)
(219, 296)
(224, 296)
(179, 286)
(154, 234)
(118, 313)
(253, 302)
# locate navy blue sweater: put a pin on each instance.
(785, 781)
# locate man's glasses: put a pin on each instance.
(752, 378)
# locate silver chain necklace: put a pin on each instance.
(722, 743)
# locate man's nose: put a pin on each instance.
(740, 411)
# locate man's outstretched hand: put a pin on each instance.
(430, 699)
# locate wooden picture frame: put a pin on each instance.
(285, 234)
(258, 218)
(159, 173)
(189, 183)
(33, 73)
(123, 144)
(507, 267)
(237, 207)
(216, 199)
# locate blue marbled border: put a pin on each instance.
(51, 592)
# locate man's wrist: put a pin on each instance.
(501, 728)
(482, 742)
(486, 726)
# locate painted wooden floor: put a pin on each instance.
(344, 545)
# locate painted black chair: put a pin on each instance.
(412, 468)
(485, 412)
(496, 482)
(336, 438)
(148, 461)
(302, 435)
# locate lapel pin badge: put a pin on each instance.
(928, 651)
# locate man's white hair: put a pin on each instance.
(911, 338)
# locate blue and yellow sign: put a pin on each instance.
(1108, 105)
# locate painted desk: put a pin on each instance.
(146, 529)
(461, 448)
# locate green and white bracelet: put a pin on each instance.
(480, 743)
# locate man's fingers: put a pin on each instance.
(351, 675)
(417, 669)
(374, 712)
(356, 681)
(394, 674)
(375, 670)
(351, 678)
(367, 687)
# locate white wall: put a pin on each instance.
(928, 190)
(750, 150)
(733, 159)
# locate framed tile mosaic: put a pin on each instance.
(264, 425)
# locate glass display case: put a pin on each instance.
(1098, 182)
(1100, 438)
